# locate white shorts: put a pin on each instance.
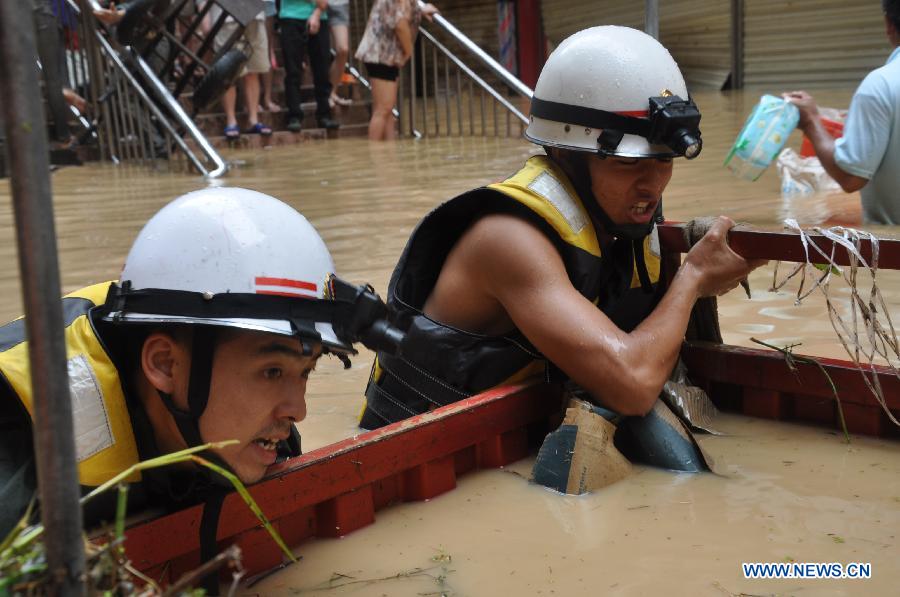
(257, 38)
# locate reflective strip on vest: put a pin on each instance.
(104, 438)
(541, 187)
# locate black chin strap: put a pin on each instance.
(202, 351)
(635, 233)
(188, 422)
(209, 528)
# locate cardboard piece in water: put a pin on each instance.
(596, 462)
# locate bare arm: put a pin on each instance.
(314, 22)
(822, 142)
(404, 36)
(503, 266)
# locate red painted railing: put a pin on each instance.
(759, 382)
(337, 489)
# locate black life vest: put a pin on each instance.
(441, 364)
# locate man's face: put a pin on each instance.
(257, 392)
(627, 189)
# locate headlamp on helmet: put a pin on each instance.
(675, 123)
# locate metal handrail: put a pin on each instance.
(474, 76)
(136, 86)
(495, 67)
(162, 93)
(437, 93)
(132, 122)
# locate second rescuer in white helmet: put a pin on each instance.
(226, 301)
(557, 267)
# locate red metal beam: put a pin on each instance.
(783, 246)
(759, 383)
(334, 490)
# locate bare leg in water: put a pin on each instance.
(384, 95)
(340, 35)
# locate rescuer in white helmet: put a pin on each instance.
(557, 267)
(226, 301)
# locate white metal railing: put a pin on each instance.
(132, 116)
(440, 94)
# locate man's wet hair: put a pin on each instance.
(891, 10)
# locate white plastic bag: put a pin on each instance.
(803, 176)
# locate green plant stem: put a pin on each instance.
(248, 499)
(121, 509)
(790, 358)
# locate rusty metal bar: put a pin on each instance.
(424, 86)
(401, 98)
(785, 246)
(437, 101)
(459, 106)
(483, 123)
(737, 44)
(447, 95)
(54, 435)
(471, 109)
(412, 92)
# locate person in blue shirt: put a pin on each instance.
(867, 157)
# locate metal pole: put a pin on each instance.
(437, 99)
(651, 18)
(737, 44)
(412, 93)
(54, 436)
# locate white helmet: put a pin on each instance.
(616, 91)
(229, 257)
(204, 257)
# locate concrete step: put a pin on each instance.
(212, 124)
(307, 94)
(279, 138)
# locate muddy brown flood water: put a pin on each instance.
(790, 493)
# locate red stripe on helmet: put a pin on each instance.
(635, 113)
(263, 281)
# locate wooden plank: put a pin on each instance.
(420, 449)
(784, 246)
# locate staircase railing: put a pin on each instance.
(132, 116)
(440, 94)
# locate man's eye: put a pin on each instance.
(272, 373)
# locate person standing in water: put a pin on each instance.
(385, 47)
(867, 157)
(557, 268)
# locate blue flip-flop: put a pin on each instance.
(232, 132)
(260, 129)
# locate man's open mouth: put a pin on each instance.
(267, 443)
(642, 207)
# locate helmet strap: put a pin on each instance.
(188, 422)
(576, 167)
(580, 176)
